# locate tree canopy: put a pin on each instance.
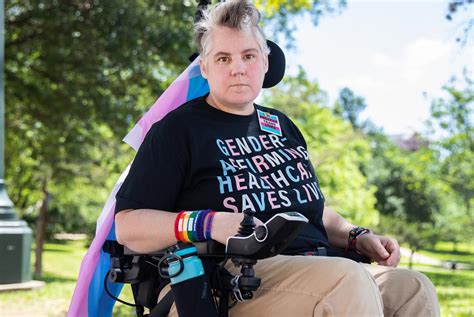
(349, 106)
(452, 119)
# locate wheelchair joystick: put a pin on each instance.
(245, 284)
(247, 225)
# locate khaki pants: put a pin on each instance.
(299, 286)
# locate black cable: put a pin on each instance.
(110, 294)
(152, 264)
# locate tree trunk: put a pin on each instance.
(41, 224)
(410, 261)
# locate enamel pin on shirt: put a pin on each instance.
(269, 122)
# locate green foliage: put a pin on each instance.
(452, 222)
(404, 184)
(89, 60)
(349, 106)
(78, 75)
(452, 121)
(337, 151)
(454, 116)
(415, 234)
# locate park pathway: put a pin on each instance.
(423, 259)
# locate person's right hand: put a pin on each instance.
(384, 250)
(227, 224)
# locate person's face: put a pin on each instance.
(235, 68)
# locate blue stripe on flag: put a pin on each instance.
(99, 302)
(198, 87)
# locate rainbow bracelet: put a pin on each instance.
(193, 226)
(178, 223)
(209, 219)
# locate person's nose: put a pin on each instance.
(238, 67)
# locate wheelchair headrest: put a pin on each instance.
(276, 65)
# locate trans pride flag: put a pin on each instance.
(89, 298)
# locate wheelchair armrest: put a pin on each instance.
(266, 241)
(269, 239)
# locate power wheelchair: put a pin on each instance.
(149, 273)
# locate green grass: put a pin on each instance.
(464, 253)
(62, 261)
(60, 266)
(455, 291)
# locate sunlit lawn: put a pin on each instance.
(61, 265)
(464, 252)
(455, 288)
(455, 291)
(62, 260)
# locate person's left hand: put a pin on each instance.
(383, 250)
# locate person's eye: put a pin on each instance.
(249, 57)
(223, 59)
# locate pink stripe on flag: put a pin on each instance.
(171, 99)
(78, 305)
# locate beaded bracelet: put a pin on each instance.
(353, 235)
(193, 226)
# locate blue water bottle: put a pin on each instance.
(189, 283)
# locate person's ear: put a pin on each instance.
(202, 66)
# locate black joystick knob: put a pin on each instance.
(247, 225)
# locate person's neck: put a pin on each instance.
(242, 110)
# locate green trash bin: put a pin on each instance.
(15, 250)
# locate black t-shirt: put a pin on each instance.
(199, 157)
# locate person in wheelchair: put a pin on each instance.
(220, 155)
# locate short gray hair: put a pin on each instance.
(241, 15)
